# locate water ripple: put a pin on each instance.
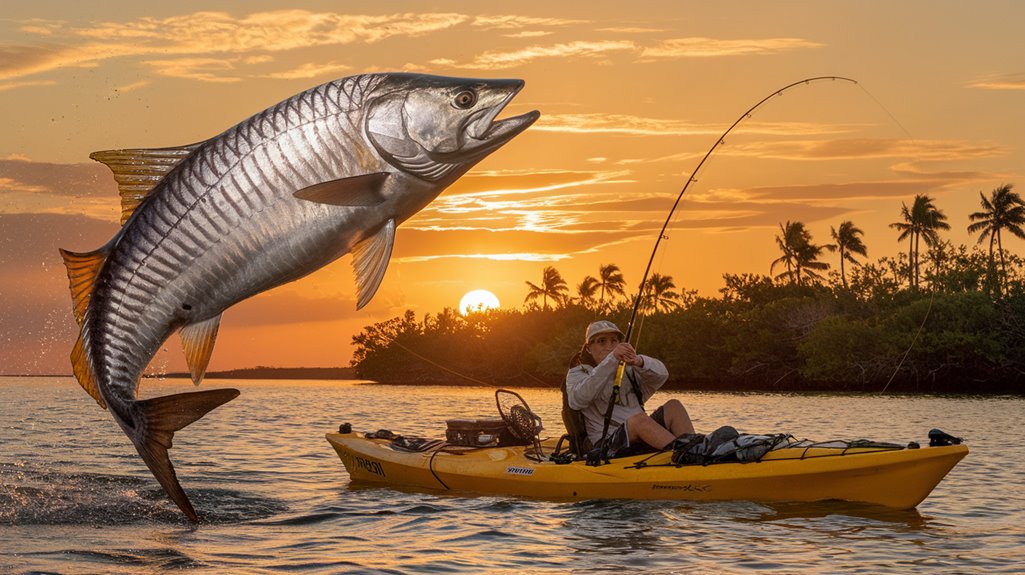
(277, 499)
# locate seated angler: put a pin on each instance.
(589, 385)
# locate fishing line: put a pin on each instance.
(693, 178)
(614, 397)
(932, 292)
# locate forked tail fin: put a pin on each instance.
(158, 419)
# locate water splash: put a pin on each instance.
(45, 497)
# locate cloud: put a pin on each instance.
(846, 191)
(28, 187)
(866, 148)
(528, 34)
(212, 46)
(627, 124)
(272, 31)
(496, 184)
(711, 47)
(509, 22)
(4, 86)
(620, 124)
(286, 306)
(200, 36)
(311, 70)
(204, 69)
(603, 49)
(413, 245)
(1007, 82)
(494, 60)
(629, 30)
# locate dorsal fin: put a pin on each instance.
(138, 171)
(198, 340)
(370, 261)
(82, 271)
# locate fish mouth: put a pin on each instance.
(482, 126)
(484, 134)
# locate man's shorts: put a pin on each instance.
(619, 440)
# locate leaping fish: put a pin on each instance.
(329, 171)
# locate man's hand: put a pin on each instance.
(625, 353)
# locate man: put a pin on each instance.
(589, 386)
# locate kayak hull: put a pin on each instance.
(899, 478)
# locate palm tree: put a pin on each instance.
(610, 280)
(934, 220)
(799, 254)
(552, 286)
(921, 221)
(847, 242)
(586, 291)
(659, 294)
(1003, 210)
(787, 241)
(907, 230)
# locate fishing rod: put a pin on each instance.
(662, 234)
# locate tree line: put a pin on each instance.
(951, 319)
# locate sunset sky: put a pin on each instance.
(631, 96)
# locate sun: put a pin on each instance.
(477, 300)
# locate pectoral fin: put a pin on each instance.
(357, 191)
(370, 261)
(198, 340)
(138, 171)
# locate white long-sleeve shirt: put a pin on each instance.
(588, 389)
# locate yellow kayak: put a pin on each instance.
(884, 475)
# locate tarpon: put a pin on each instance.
(330, 171)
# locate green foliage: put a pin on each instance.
(953, 332)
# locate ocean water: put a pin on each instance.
(75, 498)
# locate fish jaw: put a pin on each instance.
(442, 128)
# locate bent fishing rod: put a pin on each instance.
(603, 457)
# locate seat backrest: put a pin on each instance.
(576, 428)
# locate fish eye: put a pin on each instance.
(465, 100)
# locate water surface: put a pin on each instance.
(75, 498)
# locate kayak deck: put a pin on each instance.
(896, 478)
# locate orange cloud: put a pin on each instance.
(493, 60)
(413, 245)
(711, 47)
(1008, 82)
(65, 189)
(509, 21)
(204, 69)
(627, 124)
(205, 33)
(865, 148)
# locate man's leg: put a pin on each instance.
(677, 420)
(642, 427)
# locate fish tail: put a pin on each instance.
(159, 418)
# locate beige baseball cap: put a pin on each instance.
(599, 327)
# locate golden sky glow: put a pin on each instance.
(631, 96)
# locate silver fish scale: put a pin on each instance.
(247, 174)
